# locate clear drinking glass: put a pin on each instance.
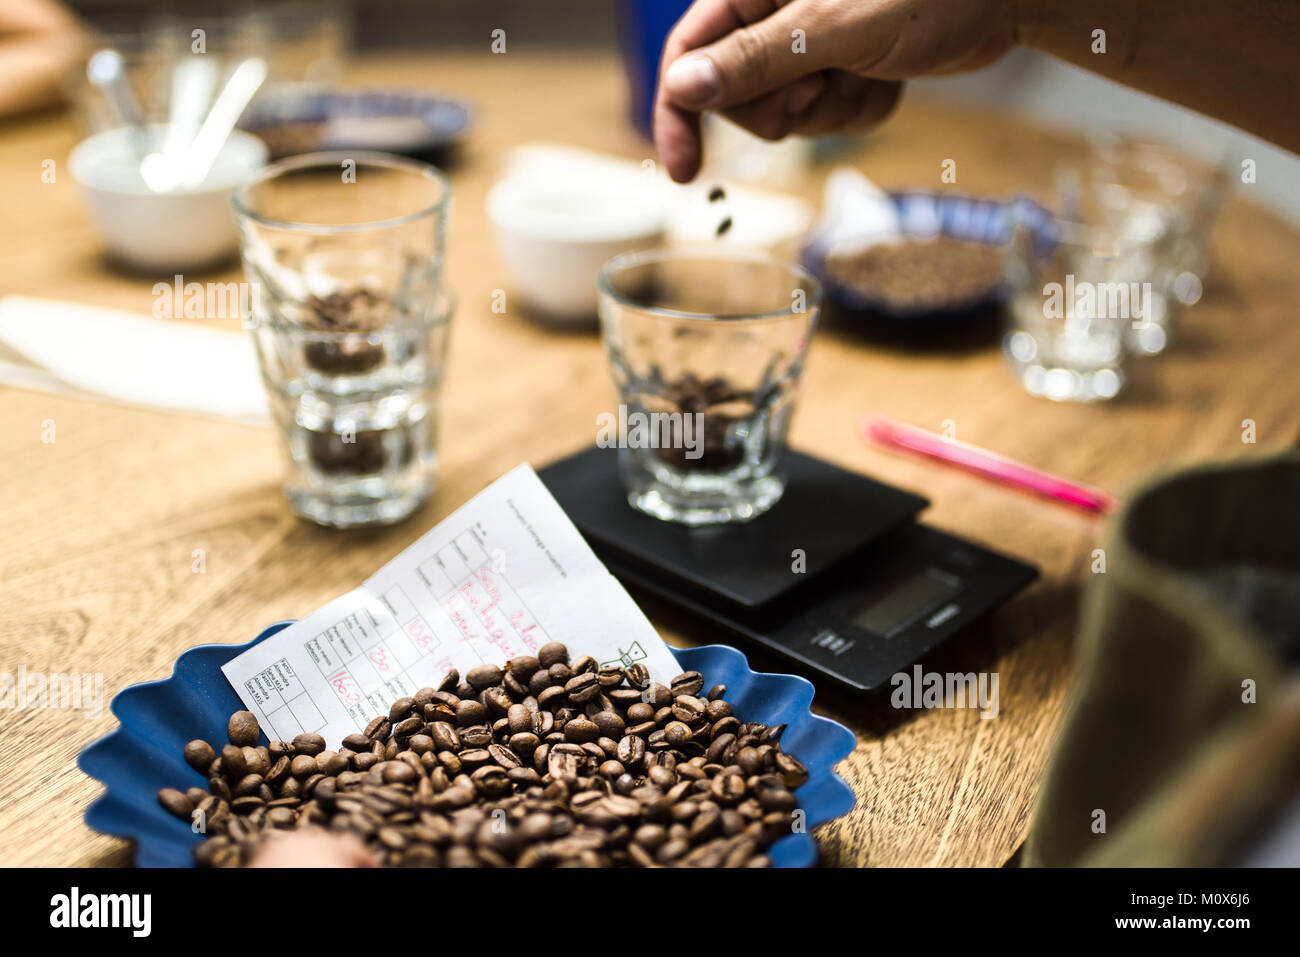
(1156, 195)
(1076, 289)
(707, 350)
(344, 259)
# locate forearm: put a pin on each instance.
(39, 41)
(1235, 60)
(31, 72)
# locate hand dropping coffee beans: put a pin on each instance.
(545, 762)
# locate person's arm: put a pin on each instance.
(1237, 61)
(816, 66)
(39, 41)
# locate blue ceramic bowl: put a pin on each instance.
(924, 215)
(411, 122)
(158, 717)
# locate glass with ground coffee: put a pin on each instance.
(707, 350)
(344, 257)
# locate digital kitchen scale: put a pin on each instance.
(837, 576)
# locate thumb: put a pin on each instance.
(751, 61)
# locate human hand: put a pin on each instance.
(778, 67)
(313, 847)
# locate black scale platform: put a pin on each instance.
(838, 576)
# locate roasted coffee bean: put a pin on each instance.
(199, 755)
(356, 742)
(583, 688)
(484, 676)
(688, 708)
(409, 726)
(610, 724)
(687, 683)
(477, 736)
(233, 762)
(504, 756)
(519, 718)
(552, 653)
(639, 713)
(470, 712)
(378, 729)
(523, 667)
(657, 696)
(302, 766)
(309, 744)
(560, 673)
(242, 729)
(331, 763)
(400, 710)
(498, 702)
(638, 676)
(716, 710)
(444, 736)
(551, 697)
(246, 804)
(398, 772)
(256, 760)
(677, 733)
(581, 730)
(176, 802)
(793, 773)
(624, 697)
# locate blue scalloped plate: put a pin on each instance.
(158, 717)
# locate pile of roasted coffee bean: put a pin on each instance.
(545, 762)
(721, 405)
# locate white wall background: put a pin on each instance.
(1064, 96)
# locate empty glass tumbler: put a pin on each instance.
(1076, 291)
(344, 258)
(1160, 197)
(707, 350)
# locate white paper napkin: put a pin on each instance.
(118, 356)
(856, 213)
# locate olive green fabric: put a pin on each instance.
(1199, 598)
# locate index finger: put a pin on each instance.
(677, 131)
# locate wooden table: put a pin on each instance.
(98, 529)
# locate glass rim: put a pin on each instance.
(243, 209)
(624, 261)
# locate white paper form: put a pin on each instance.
(500, 577)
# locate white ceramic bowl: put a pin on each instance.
(169, 232)
(553, 236)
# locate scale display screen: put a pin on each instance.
(907, 597)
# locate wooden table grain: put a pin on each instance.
(99, 528)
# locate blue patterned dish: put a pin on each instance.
(924, 215)
(158, 717)
(411, 122)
